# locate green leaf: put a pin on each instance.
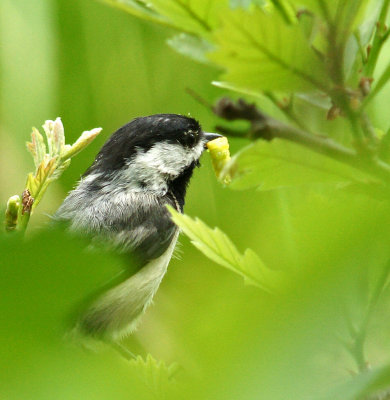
(286, 10)
(43, 281)
(271, 165)
(249, 3)
(58, 136)
(216, 245)
(261, 51)
(156, 375)
(240, 3)
(345, 14)
(62, 166)
(373, 383)
(368, 23)
(37, 146)
(191, 46)
(80, 144)
(139, 9)
(195, 16)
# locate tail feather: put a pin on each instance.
(116, 313)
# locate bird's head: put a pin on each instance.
(150, 154)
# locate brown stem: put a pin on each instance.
(268, 128)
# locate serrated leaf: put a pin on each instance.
(198, 17)
(31, 148)
(252, 262)
(61, 168)
(191, 46)
(260, 51)
(38, 182)
(40, 174)
(49, 166)
(155, 374)
(278, 163)
(45, 169)
(81, 143)
(37, 146)
(139, 9)
(58, 136)
(55, 136)
(217, 246)
(195, 16)
(47, 127)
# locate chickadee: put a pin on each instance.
(121, 201)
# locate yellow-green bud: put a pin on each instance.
(11, 213)
(220, 156)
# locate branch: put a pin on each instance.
(381, 35)
(51, 158)
(265, 127)
(287, 109)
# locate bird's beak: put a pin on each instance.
(211, 136)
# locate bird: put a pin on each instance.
(121, 202)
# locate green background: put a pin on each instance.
(96, 66)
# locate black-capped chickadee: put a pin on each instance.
(121, 201)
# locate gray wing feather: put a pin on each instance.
(131, 222)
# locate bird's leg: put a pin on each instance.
(123, 351)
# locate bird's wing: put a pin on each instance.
(138, 223)
(147, 235)
(140, 226)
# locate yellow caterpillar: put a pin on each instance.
(220, 156)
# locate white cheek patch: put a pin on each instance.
(163, 162)
(168, 158)
(152, 169)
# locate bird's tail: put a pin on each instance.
(116, 312)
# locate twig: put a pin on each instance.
(359, 337)
(381, 35)
(230, 132)
(123, 351)
(380, 83)
(362, 51)
(286, 109)
(265, 127)
(196, 96)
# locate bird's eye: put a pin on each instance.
(190, 138)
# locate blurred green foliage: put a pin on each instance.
(94, 65)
